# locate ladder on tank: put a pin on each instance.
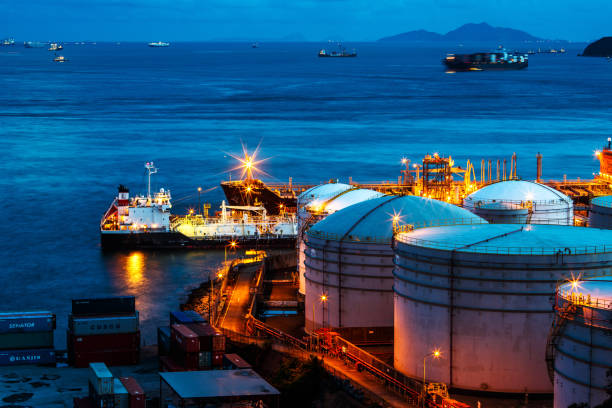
(563, 314)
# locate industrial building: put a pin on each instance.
(600, 214)
(317, 203)
(349, 262)
(521, 202)
(480, 295)
(581, 344)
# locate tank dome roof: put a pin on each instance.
(507, 239)
(322, 192)
(516, 190)
(372, 220)
(603, 201)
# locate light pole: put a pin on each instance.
(211, 298)
(435, 354)
(199, 193)
(232, 245)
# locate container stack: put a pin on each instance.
(26, 338)
(190, 344)
(103, 330)
(106, 391)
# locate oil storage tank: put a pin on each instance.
(519, 201)
(600, 214)
(349, 263)
(317, 203)
(482, 295)
(581, 342)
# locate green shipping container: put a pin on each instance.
(31, 340)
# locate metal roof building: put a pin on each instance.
(521, 202)
(198, 388)
(349, 261)
(481, 294)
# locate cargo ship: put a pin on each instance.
(340, 53)
(486, 61)
(145, 221)
(158, 44)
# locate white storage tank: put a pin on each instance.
(600, 215)
(317, 203)
(582, 342)
(349, 260)
(521, 202)
(482, 295)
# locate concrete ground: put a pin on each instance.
(55, 387)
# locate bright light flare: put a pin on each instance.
(323, 298)
(248, 163)
(436, 353)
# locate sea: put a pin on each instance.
(72, 132)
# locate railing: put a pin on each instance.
(581, 299)
(349, 238)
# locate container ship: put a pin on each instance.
(341, 52)
(486, 61)
(145, 221)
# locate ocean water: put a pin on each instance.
(72, 132)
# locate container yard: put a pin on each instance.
(27, 338)
(481, 295)
(580, 352)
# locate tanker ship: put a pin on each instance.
(485, 61)
(145, 221)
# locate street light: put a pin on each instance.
(435, 354)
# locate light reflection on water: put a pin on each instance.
(160, 280)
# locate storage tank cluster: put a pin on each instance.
(600, 214)
(521, 202)
(349, 263)
(317, 203)
(582, 342)
(481, 295)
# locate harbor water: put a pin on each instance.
(71, 132)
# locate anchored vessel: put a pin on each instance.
(146, 222)
(481, 61)
(55, 47)
(341, 52)
(159, 44)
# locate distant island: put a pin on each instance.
(599, 48)
(468, 33)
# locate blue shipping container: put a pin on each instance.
(195, 316)
(21, 357)
(20, 322)
(178, 317)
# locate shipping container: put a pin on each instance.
(218, 342)
(163, 340)
(179, 317)
(205, 360)
(195, 316)
(102, 342)
(168, 364)
(104, 306)
(22, 357)
(234, 362)
(217, 358)
(205, 334)
(100, 401)
(101, 378)
(17, 322)
(91, 325)
(190, 361)
(28, 340)
(137, 395)
(185, 338)
(121, 396)
(109, 357)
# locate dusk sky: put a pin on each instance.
(314, 20)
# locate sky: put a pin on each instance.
(312, 20)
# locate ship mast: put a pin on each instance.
(151, 169)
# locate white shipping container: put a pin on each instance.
(121, 395)
(101, 378)
(86, 326)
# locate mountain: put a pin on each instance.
(414, 36)
(470, 32)
(599, 48)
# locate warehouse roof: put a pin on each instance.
(217, 384)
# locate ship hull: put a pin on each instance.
(467, 66)
(172, 240)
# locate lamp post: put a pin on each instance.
(435, 354)
(199, 193)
